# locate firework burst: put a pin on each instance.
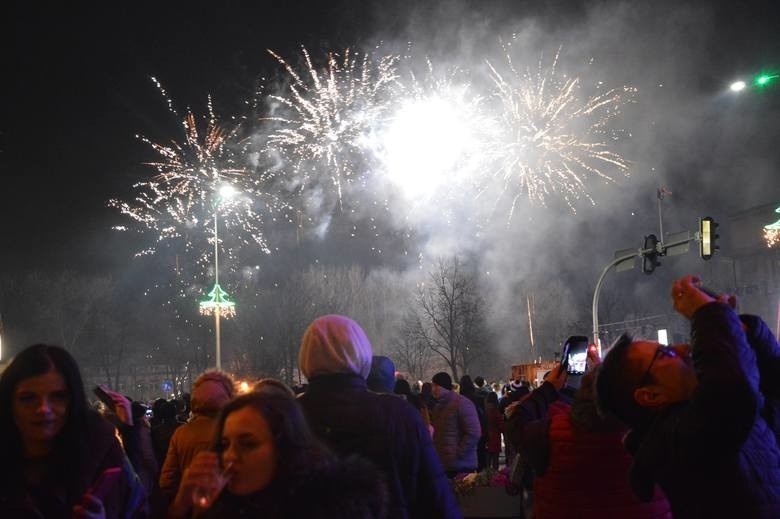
(434, 139)
(327, 116)
(772, 232)
(180, 200)
(772, 237)
(555, 138)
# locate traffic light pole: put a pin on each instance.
(597, 291)
(660, 249)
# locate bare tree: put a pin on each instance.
(451, 312)
(270, 343)
(410, 347)
(11, 313)
(66, 305)
(296, 301)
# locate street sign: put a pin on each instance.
(627, 264)
(680, 248)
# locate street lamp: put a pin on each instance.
(737, 86)
(217, 301)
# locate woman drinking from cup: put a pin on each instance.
(267, 463)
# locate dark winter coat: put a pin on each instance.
(535, 407)
(713, 456)
(456, 431)
(350, 488)
(387, 431)
(161, 439)
(126, 500)
(767, 351)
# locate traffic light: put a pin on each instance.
(650, 258)
(707, 237)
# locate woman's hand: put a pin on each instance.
(593, 358)
(557, 377)
(91, 507)
(122, 406)
(201, 478)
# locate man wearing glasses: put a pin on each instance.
(694, 414)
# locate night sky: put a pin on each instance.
(80, 92)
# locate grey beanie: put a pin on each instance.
(334, 344)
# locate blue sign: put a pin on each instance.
(167, 386)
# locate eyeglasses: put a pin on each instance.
(661, 351)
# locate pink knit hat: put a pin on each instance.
(334, 344)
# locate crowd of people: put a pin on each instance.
(653, 431)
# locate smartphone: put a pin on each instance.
(104, 397)
(564, 357)
(575, 354)
(106, 482)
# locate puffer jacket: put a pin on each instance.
(587, 477)
(387, 431)
(767, 351)
(456, 431)
(713, 456)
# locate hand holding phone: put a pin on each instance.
(103, 396)
(91, 505)
(116, 403)
(105, 483)
(557, 377)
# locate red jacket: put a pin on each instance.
(587, 476)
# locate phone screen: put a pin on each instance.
(578, 355)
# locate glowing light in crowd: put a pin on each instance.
(326, 115)
(737, 86)
(554, 137)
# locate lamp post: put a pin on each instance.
(217, 300)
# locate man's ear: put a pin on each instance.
(648, 396)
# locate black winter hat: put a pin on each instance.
(443, 379)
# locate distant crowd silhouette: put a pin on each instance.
(684, 431)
